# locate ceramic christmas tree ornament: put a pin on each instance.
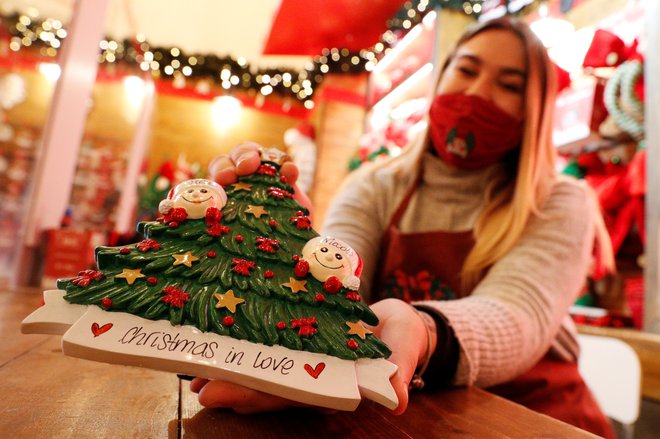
(230, 283)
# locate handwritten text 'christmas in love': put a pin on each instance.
(163, 341)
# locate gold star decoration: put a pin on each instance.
(256, 210)
(130, 275)
(296, 285)
(185, 259)
(357, 328)
(242, 186)
(228, 300)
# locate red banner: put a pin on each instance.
(306, 27)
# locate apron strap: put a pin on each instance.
(403, 205)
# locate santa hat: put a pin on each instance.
(306, 129)
(607, 50)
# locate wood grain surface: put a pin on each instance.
(49, 395)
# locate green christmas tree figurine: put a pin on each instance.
(242, 263)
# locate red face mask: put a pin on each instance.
(470, 132)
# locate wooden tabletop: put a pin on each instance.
(49, 395)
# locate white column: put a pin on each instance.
(128, 200)
(56, 163)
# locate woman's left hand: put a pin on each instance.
(400, 327)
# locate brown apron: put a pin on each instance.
(427, 266)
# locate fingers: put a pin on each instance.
(241, 399)
(197, 383)
(223, 170)
(246, 158)
(404, 333)
(290, 171)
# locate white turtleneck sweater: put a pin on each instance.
(520, 309)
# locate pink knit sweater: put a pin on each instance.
(520, 309)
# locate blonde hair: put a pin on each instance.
(510, 199)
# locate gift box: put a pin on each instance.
(66, 251)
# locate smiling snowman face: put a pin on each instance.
(198, 195)
(328, 257)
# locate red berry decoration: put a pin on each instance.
(272, 223)
(281, 325)
(238, 239)
(302, 268)
(319, 297)
(295, 258)
(283, 179)
(178, 214)
(268, 274)
(125, 250)
(106, 302)
(213, 215)
(228, 321)
(211, 254)
(152, 280)
(332, 285)
(352, 344)
(352, 295)
(173, 225)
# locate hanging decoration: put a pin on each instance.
(231, 74)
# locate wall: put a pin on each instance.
(184, 125)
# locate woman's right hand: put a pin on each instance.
(244, 159)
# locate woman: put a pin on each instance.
(473, 211)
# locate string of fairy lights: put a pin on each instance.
(27, 30)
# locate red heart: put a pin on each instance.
(315, 372)
(98, 330)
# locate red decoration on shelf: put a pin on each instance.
(242, 266)
(268, 274)
(85, 277)
(228, 321)
(281, 325)
(174, 296)
(238, 238)
(124, 250)
(352, 295)
(147, 244)
(217, 230)
(301, 269)
(151, 280)
(332, 285)
(319, 297)
(266, 245)
(211, 254)
(279, 193)
(352, 344)
(266, 169)
(301, 221)
(106, 302)
(305, 326)
(213, 216)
